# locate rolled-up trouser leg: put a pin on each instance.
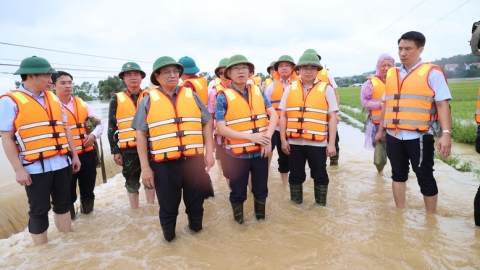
(131, 171)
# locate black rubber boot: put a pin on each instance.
(238, 212)
(72, 211)
(296, 193)
(195, 223)
(169, 231)
(321, 194)
(87, 205)
(334, 159)
(259, 206)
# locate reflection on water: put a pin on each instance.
(360, 227)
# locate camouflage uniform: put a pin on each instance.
(131, 162)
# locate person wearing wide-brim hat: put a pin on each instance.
(308, 127)
(283, 76)
(123, 141)
(219, 84)
(37, 145)
(325, 75)
(241, 115)
(173, 128)
(269, 80)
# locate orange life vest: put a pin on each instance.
(219, 87)
(477, 115)
(377, 94)
(245, 116)
(409, 104)
(200, 88)
(322, 75)
(127, 136)
(307, 116)
(278, 91)
(174, 129)
(257, 80)
(76, 123)
(268, 81)
(39, 131)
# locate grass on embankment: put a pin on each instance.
(463, 104)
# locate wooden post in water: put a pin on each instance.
(102, 162)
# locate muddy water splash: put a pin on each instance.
(360, 227)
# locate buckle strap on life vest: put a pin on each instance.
(306, 131)
(124, 119)
(255, 130)
(43, 149)
(411, 122)
(175, 148)
(302, 119)
(125, 130)
(305, 109)
(246, 119)
(175, 134)
(408, 96)
(230, 146)
(77, 125)
(127, 140)
(176, 120)
(409, 109)
(39, 124)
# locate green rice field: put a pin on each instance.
(463, 104)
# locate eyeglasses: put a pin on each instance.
(238, 68)
(309, 68)
(220, 73)
(168, 72)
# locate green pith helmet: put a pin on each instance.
(129, 66)
(238, 59)
(221, 64)
(162, 62)
(189, 65)
(271, 66)
(314, 52)
(284, 58)
(35, 65)
(309, 59)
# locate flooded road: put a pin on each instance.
(360, 228)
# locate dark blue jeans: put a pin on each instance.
(317, 161)
(238, 169)
(86, 177)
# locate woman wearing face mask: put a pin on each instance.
(371, 97)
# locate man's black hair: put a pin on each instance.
(60, 74)
(417, 38)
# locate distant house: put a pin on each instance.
(450, 67)
(467, 66)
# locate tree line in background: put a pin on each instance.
(106, 88)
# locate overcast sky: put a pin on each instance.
(348, 34)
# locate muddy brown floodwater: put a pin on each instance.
(360, 228)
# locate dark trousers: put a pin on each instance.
(86, 177)
(282, 157)
(317, 161)
(239, 168)
(44, 185)
(476, 208)
(222, 156)
(174, 176)
(131, 171)
(400, 152)
(337, 140)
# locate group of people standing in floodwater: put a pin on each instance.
(167, 136)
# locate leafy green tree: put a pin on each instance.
(86, 91)
(206, 75)
(106, 88)
(17, 84)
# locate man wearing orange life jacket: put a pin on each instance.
(122, 138)
(308, 126)
(371, 98)
(199, 85)
(416, 95)
(36, 138)
(325, 75)
(77, 112)
(173, 128)
(284, 75)
(219, 84)
(476, 202)
(241, 115)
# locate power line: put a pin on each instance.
(83, 54)
(64, 68)
(8, 59)
(380, 32)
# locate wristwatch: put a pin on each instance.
(447, 131)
